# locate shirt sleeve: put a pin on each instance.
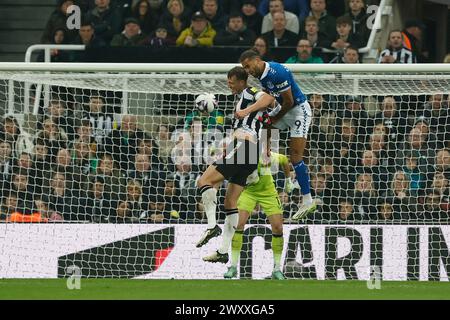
(281, 79)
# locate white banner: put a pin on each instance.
(150, 251)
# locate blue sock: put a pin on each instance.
(302, 176)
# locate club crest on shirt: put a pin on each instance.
(270, 85)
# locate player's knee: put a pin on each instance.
(296, 156)
(277, 229)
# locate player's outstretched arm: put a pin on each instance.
(263, 102)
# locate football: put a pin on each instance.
(206, 102)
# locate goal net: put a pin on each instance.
(99, 171)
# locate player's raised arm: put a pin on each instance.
(263, 102)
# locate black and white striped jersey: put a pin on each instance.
(401, 56)
(250, 123)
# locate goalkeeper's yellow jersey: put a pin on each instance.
(266, 184)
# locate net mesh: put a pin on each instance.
(129, 147)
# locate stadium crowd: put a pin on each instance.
(305, 26)
(87, 163)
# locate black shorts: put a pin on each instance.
(239, 162)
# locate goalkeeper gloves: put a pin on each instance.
(288, 185)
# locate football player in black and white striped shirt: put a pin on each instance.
(238, 164)
(396, 52)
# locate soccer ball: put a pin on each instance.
(206, 102)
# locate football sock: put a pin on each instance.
(209, 200)
(231, 222)
(277, 249)
(236, 246)
(302, 176)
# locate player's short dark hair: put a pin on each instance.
(249, 54)
(239, 73)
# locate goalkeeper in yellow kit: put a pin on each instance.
(264, 193)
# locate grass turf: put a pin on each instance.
(56, 289)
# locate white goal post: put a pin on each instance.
(378, 156)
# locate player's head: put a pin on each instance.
(237, 80)
(252, 63)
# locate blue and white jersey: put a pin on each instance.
(276, 78)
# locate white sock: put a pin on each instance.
(307, 199)
(209, 200)
(230, 225)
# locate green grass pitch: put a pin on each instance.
(56, 289)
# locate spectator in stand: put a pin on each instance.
(122, 143)
(24, 191)
(386, 212)
(41, 206)
(437, 114)
(135, 206)
(61, 116)
(393, 119)
(148, 19)
(83, 157)
(252, 18)
(216, 18)
(304, 53)
(97, 204)
(53, 137)
(58, 20)
(365, 197)
(101, 122)
(199, 34)
(359, 16)
(346, 211)
(351, 55)
(9, 205)
(235, 34)
(312, 32)
(322, 125)
(21, 140)
(61, 200)
(163, 142)
(432, 207)
(131, 35)
(415, 176)
(185, 179)
(85, 134)
(173, 206)
(262, 46)
(156, 209)
(280, 36)
(24, 161)
(110, 173)
(368, 163)
(292, 23)
(147, 174)
(416, 147)
(76, 180)
(160, 38)
(345, 152)
(442, 162)
(6, 160)
(321, 194)
(354, 108)
(413, 39)
(327, 23)
(106, 20)
(399, 192)
(41, 165)
(345, 38)
(175, 19)
(298, 7)
(56, 55)
(440, 183)
(86, 35)
(395, 51)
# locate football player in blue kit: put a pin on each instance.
(295, 114)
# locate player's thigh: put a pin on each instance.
(232, 195)
(276, 222)
(246, 202)
(211, 177)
